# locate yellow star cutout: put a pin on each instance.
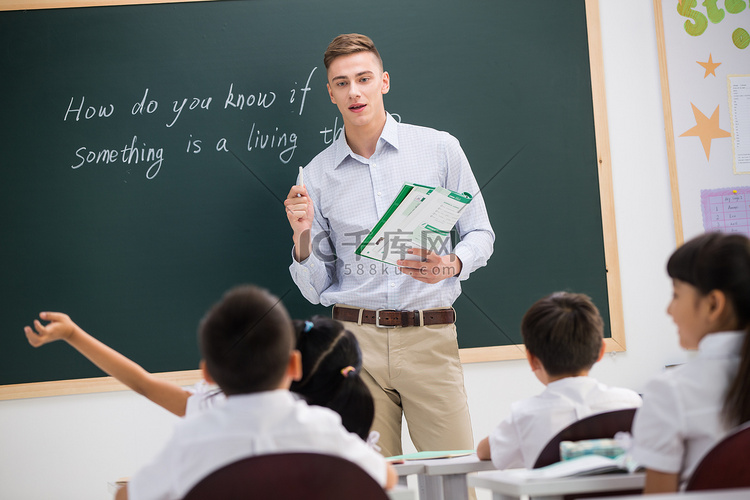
(706, 129)
(710, 66)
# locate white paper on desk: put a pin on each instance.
(420, 217)
(585, 465)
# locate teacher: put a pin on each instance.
(402, 316)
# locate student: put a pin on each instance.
(402, 316)
(563, 335)
(247, 344)
(688, 409)
(331, 368)
(331, 363)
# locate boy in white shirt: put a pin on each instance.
(563, 335)
(247, 343)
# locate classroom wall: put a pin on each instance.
(70, 447)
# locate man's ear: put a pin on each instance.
(206, 376)
(330, 94)
(386, 83)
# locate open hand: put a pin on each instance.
(60, 327)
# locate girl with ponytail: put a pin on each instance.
(688, 409)
(331, 365)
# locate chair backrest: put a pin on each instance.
(727, 463)
(598, 426)
(289, 476)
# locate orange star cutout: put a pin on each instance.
(706, 129)
(710, 66)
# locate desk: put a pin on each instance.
(733, 494)
(507, 486)
(401, 492)
(443, 478)
(407, 469)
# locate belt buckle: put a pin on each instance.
(377, 319)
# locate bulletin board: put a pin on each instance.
(704, 59)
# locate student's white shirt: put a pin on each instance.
(202, 397)
(681, 416)
(244, 426)
(521, 437)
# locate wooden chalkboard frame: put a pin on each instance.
(468, 355)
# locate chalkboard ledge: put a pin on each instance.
(518, 351)
(87, 385)
(190, 377)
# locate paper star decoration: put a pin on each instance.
(706, 129)
(710, 66)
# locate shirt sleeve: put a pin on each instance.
(314, 275)
(155, 481)
(505, 446)
(474, 229)
(371, 461)
(202, 397)
(658, 428)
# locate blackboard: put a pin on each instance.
(215, 105)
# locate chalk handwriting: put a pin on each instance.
(259, 140)
(195, 102)
(240, 101)
(130, 154)
(88, 112)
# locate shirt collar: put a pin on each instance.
(721, 345)
(389, 135)
(278, 398)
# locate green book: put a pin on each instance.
(419, 217)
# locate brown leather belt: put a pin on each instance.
(388, 318)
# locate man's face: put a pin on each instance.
(356, 85)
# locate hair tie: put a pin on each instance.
(346, 371)
(308, 326)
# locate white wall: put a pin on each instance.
(70, 446)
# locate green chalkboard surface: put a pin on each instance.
(146, 150)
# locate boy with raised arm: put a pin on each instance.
(247, 344)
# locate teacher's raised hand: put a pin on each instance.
(300, 212)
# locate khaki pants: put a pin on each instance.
(415, 370)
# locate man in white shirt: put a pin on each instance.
(247, 343)
(402, 317)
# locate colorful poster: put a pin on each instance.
(726, 210)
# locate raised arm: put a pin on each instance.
(166, 394)
(300, 213)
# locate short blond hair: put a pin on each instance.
(350, 43)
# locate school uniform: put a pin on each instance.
(248, 425)
(521, 437)
(202, 397)
(681, 417)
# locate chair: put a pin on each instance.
(597, 426)
(289, 476)
(727, 463)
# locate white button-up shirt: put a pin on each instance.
(351, 193)
(681, 417)
(533, 422)
(243, 426)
